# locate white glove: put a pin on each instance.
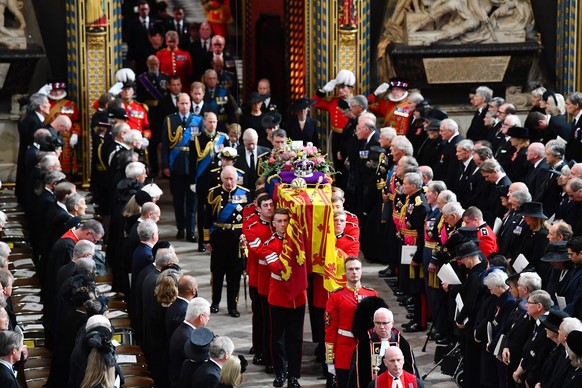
(381, 89)
(74, 140)
(193, 188)
(124, 75)
(116, 89)
(144, 142)
(45, 89)
(330, 86)
(331, 369)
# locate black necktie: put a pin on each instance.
(175, 100)
(184, 122)
(145, 24)
(252, 159)
(196, 110)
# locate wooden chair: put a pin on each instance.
(134, 370)
(128, 349)
(39, 352)
(138, 382)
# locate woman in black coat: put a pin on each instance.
(535, 240)
(301, 127)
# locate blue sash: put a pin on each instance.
(209, 157)
(151, 88)
(229, 208)
(185, 139)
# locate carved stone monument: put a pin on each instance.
(453, 45)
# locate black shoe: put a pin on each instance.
(386, 273)
(293, 383)
(414, 328)
(214, 308)
(402, 297)
(399, 293)
(252, 350)
(193, 238)
(279, 381)
(436, 336)
(410, 308)
(445, 341)
(269, 369)
(234, 313)
(406, 302)
(410, 316)
(330, 383)
(408, 324)
(180, 235)
(201, 247)
(258, 360)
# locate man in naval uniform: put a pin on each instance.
(222, 232)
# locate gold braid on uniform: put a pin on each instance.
(215, 202)
(101, 166)
(202, 154)
(177, 138)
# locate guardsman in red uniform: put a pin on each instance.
(137, 113)
(175, 61)
(339, 313)
(473, 218)
(344, 82)
(256, 234)
(349, 244)
(286, 315)
(393, 107)
(352, 227)
(57, 93)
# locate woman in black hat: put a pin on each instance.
(252, 118)
(557, 365)
(535, 238)
(301, 127)
(519, 165)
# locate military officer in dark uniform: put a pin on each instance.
(411, 230)
(222, 232)
(177, 132)
(219, 99)
(152, 86)
(204, 149)
(228, 156)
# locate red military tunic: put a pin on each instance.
(256, 234)
(249, 212)
(339, 314)
(67, 108)
(338, 120)
(137, 117)
(352, 225)
(488, 240)
(177, 62)
(349, 244)
(277, 296)
(385, 380)
(395, 113)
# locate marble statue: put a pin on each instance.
(12, 6)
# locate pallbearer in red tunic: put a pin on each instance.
(57, 93)
(286, 315)
(392, 107)
(256, 234)
(339, 313)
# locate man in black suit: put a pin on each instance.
(176, 136)
(38, 108)
(479, 100)
(138, 44)
(187, 290)
(218, 47)
(551, 193)
(264, 89)
(550, 127)
(11, 347)
(496, 178)
(199, 106)
(466, 168)
(445, 168)
(201, 51)
(251, 155)
(169, 103)
(496, 136)
(574, 109)
(364, 175)
(180, 25)
(208, 374)
(538, 170)
(197, 316)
